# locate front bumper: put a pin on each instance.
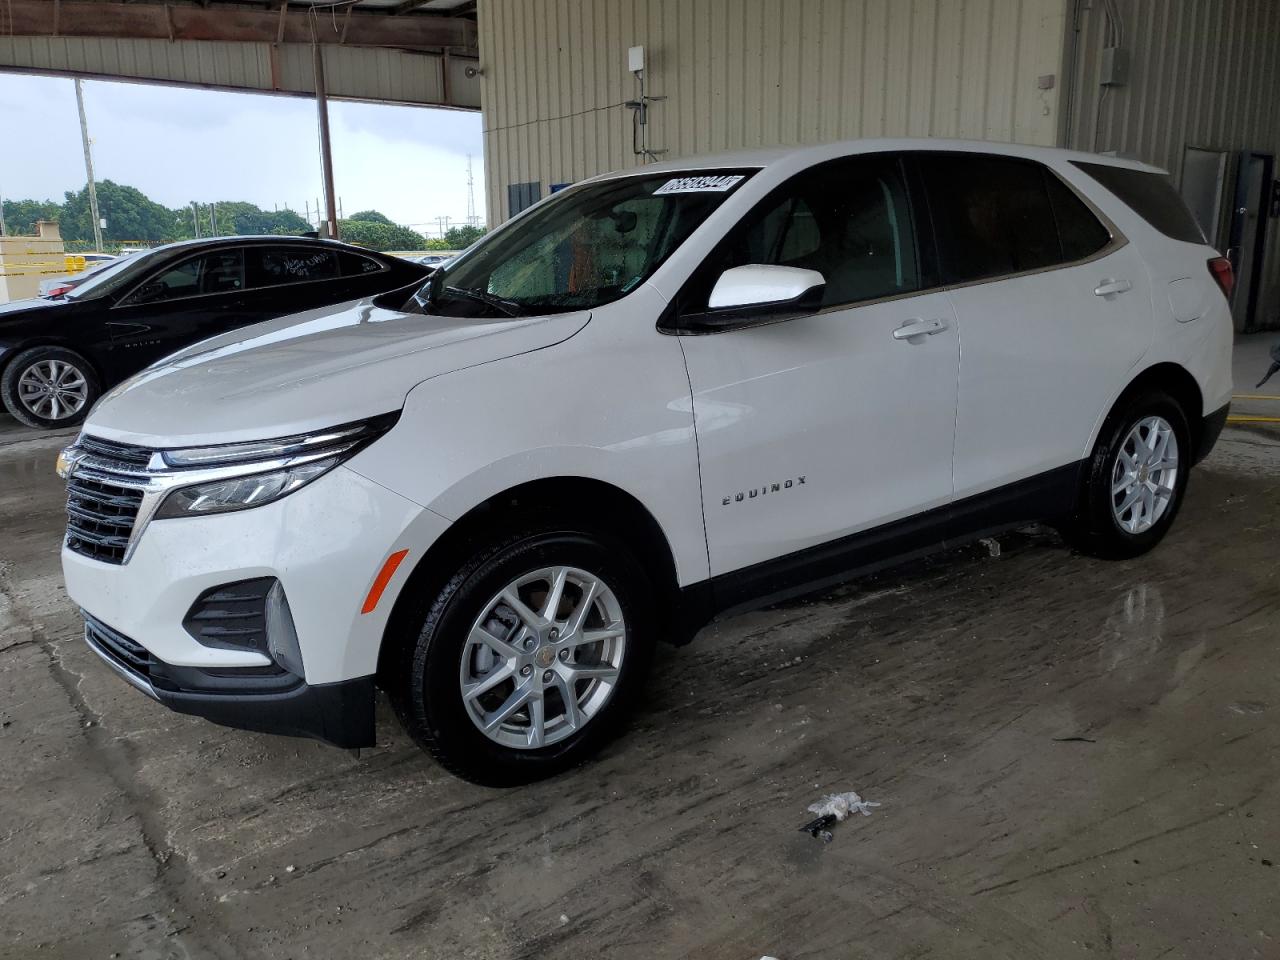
(269, 701)
(325, 544)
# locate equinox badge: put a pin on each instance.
(762, 490)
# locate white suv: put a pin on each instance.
(659, 395)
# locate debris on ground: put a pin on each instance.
(833, 808)
(818, 828)
(992, 545)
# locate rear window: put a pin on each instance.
(1081, 233)
(1151, 196)
(991, 215)
(275, 266)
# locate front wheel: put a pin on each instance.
(49, 387)
(1135, 479)
(529, 659)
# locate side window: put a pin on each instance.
(1081, 233)
(219, 272)
(354, 265)
(849, 220)
(1151, 196)
(274, 266)
(991, 215)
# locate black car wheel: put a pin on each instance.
(1135, 480)
(529, 658)
(49, 387)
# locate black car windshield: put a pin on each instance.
(116, 275)
(582, 248)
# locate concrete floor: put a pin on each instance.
(1074, 758)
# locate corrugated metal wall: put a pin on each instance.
(361, 73)
(1203, 73)
(743, 73)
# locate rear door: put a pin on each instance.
(286, 279)
(1053, 309)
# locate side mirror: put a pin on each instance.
(765, 285)
(759, 293)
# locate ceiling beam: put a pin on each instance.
(233, 23)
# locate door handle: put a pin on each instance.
(919, 328)
(1109, 286)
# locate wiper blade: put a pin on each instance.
(508, 307)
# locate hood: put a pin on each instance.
(307, 371)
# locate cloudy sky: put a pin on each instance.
(178, 145)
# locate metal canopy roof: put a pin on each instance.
(396, 51)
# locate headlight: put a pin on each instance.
(240, 493)
(238, 476)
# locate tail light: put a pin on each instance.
(1220, 269)
(59, 290)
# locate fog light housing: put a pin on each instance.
(251, 616)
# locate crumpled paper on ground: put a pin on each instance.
(840, 805)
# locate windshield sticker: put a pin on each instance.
(708, 184)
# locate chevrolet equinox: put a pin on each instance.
(657, 396)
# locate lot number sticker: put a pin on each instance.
(709, 184)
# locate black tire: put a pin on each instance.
(1095, 528)
(25, 361)
(424, 685)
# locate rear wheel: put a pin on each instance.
(529, 659)
(49, 387)
(1136, 478)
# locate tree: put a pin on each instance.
(459, 238)
(20, 216)
(130, 215)
(380, 236)
(372, 216)
(236, 217)
(239, 218)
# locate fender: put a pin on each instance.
(473, 433)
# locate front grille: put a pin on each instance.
(118, 648)
(101, 511)
(100, 518)
(110, 450)
(232, 616)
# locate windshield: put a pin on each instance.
(582, 248)
(114, 275)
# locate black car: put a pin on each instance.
(57, 355)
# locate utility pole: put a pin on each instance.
(326, 153)
(195, 218)
(471, 195)
(2, 229)
(88, 169)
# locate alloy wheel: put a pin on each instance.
(543, 657)
(53, 389)
(1145, 475)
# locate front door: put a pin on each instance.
(179, 305)
(822, 426)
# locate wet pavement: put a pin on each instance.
(1074, 759)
